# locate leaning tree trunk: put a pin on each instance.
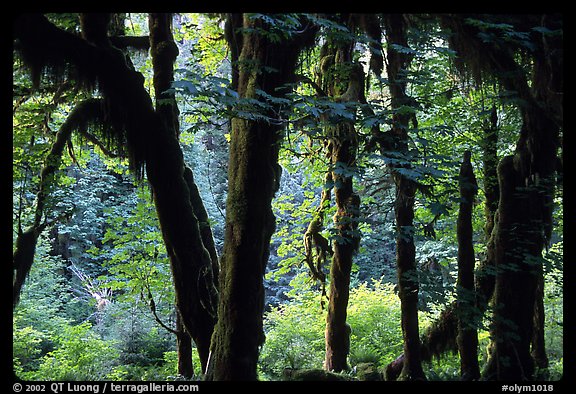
(253, 179)
(398, 63)
(164, 52)
(466, 306)
(131, 118)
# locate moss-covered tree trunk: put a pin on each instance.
(467, 312)
(524, 217)
(344, 82)
(164, 52)
(344, 144)
(184, 349)
(485, 274)
(253, 179)
(135, 125)
(526, 181)
(398, 64)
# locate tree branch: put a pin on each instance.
(152, 306)
(23, 256)
(317, 88)
(46, 49)
(93, 139)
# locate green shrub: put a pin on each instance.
(26, 351)
(80, 355)
(295, 330)
(294, 335)
(374, 316)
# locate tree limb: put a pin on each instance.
(23, 256)
(319, 91)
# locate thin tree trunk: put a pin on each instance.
(398, 64)
(490, 174)
(203, 221)
(466, 304)
(538, 349)
(253, 179)
(407, 277)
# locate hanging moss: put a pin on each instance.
(55, 55)
(313, 239)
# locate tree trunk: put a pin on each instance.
(538, 349)
(193, 261)
(515, 283)
(467, 312)
(253, 179)
(523, 220)
(342, 147)
(524, 217)
(184, 349)
(345, 246)
(440, 337)
(490, 175)
(398, 64)
(407, 277)
(527, 182)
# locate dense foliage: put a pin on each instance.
(98, 303)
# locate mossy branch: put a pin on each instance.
(314, 241)
(81, 118)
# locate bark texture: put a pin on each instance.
(199, 323)
(253, 179)
(344, 82)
